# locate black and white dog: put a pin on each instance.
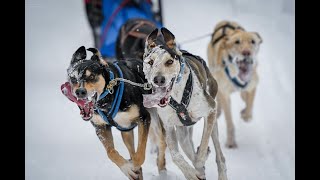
(107, 101)
(182, 81)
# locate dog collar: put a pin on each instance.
(235, 80)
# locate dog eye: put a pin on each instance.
(237, 42)
(169, 62)
(150, 62)
(91, 77)
(73, 80)
(253, 41)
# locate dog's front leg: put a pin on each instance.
(139, 157)
(203, 150)
(128, 139)
(248, 97)
(224, 101)
(188, 171)
(105, 135)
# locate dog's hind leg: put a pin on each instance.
(184, 135)
(224, 101)
(139, 157)
(128, 139)
(220, 160)
(248, 97)
(203, 149)
(105, 135)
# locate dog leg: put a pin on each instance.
(248, 97)
(186, 143)
(220, 160)
(105, 135)
(139, 157)
(157, 133)
(224, 101)
(203, 150)
(188, 171)
(161, 159)
(128, 139)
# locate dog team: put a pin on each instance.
(163, 91)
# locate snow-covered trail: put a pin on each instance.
(59, 145)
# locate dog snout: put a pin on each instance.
(246, 53)
(81, 92)
(159, 80)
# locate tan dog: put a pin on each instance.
(232, 60)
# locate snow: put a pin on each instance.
(60, 145)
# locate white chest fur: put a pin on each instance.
(123, 119)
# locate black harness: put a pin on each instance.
(181, 109)
(224, 27)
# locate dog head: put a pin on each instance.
(86, 79)
(242, 48)
(161, 65)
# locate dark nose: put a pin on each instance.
(81, 92)
(159, 80)
(246, 53)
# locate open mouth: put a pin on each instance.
(85, 105)
(160, 96)
(245, 69)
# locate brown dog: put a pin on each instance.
(232, 60)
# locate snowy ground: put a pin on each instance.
(59, 145)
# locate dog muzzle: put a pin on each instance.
(86, 107)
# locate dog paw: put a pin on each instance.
(129, 170)
(245, 115)
(193, 174)
(231, 145)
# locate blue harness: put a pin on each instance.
(112, 112)
(233, 79)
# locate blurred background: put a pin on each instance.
(60, 145)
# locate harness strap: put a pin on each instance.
(112, 112)
(224, 32)
(181, 109)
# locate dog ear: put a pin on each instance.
(97, 56)
(79, 54)
(169, 38)
(150, 43)
(259, 37)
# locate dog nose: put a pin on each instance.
(159, 80)
(246, 53)
(81, 92)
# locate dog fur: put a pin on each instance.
(241, 46)
(160, 60)
(91, 76)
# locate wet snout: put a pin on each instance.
(159, 80)
(81, 92)
(246, 53)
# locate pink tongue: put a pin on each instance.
(66, 90)
(245, 71)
